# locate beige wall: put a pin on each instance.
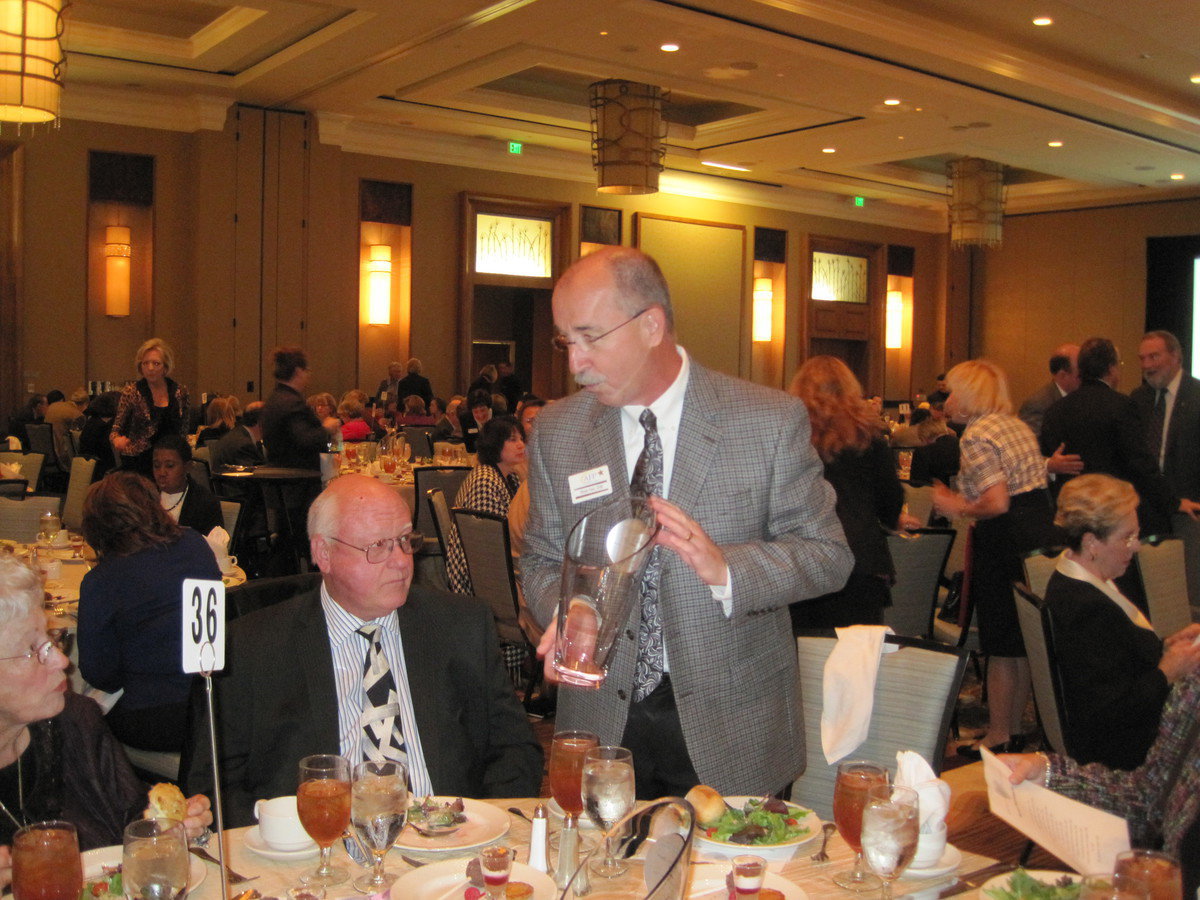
(210, 269)
(1069, 276)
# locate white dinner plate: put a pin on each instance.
(254, 842)
(448, 880)
(1046, 876)
(766, 851)
(94, 862)
(950, 861)
(485, 823)
(709, 881)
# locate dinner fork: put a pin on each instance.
(231, 876)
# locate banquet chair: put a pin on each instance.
(41, 440)
(30, 463)
(919, 500)
(962, 632)
(915, 693)
(82, 470)
(1039, 566)
(485, 543)
(919, 559)
(231, 513)
(259, 593)
(1164, 576)
(448, 478)
(420, 439)
(1038, 633)
(73, 436)
(1188, 530)
(442, 522)
(14, 488)
(21, 519)
(200, 473)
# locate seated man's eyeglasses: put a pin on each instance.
(380, 550)
(560, 342)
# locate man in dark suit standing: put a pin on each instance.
(1169, 400)
(703, 683)
(301, 675)
(295, 438)
(1108, 431)
(1064, 378)
(398, 388)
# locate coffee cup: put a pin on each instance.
(228, 563)
(279, 824)
(931, 845)
(60, 539)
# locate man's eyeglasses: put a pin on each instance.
(380, 550)
(42, 652)
(560, 342)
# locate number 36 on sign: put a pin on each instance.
(203, 626)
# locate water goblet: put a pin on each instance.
(323, 802)
(378, 811)
(608, 795)
(890, 827)
(155, 861)
(854, 779)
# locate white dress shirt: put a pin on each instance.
(349, 652)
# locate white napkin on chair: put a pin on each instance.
(933, 794)
(218, 541)
(849, 689)
(10, 471)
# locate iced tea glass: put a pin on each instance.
(567, 750)
(323, 802)
(855, 779)
(46, 862)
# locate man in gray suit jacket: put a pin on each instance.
(294, 681)
(1064, 378)
(749, 529)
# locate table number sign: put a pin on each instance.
(203, 625)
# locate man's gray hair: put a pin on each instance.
(1172, 342)
(640, 283)
(20, 590)
(324, 515)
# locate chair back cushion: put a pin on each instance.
(1164, 576)
(919, 560)
(80, 480)
(448, 478)
(1038, 635)
(484, 539)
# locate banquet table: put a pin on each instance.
(815, 879)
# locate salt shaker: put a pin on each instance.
(537, 840)
(568, 858)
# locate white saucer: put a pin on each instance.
(950, 861)
(254, 842)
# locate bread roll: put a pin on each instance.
(167, 802)
(709, 805)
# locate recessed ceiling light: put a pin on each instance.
(721, 165)
(1043, 21)
(892, 101)
(669, 48)
(829, 149)
(1177, 176)
(1055, 143)
(604, 34)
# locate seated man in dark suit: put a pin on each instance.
(294, 679)
(242, 444)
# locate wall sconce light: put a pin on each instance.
(31, 60)
(117, 258)
(764, 309)
(379, 284)
(893, 328)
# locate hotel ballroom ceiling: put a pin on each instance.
(798, 93)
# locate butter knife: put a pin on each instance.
(974, 880)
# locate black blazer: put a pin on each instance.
(1181, 465)
(1113, 690)
(869, 499)
(276, 703)
(1107, 429)
(201, 511)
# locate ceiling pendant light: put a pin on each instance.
(31, 60)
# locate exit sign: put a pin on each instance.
(860, 201)
(515, 147)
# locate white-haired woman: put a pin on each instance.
(1002, 476)
(58, 759)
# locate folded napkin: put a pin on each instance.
(14, 443)
(933, 794)
(218, 540)
(849, 689)
(8, 470)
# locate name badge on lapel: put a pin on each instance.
(590, 484)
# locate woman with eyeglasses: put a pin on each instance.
(58, 759)
(154, 404)
(130, 611)
(1115, 671)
